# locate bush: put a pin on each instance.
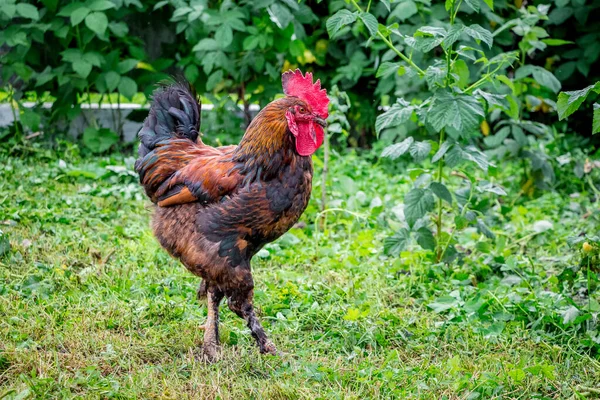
(75, 52)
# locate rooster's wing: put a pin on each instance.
(179, 171)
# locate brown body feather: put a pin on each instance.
(218, 206)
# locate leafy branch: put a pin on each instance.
(344, 17)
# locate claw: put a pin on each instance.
(210, 353)
(269, 348)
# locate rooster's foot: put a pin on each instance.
(210, 353)
(269, 348)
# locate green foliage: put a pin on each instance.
(240, 48)
(75, 50)
(455, 108)
(569, 102)
(83, 282)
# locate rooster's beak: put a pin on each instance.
(321, 121)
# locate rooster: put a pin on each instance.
(217, 207)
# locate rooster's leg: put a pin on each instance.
(240, 302)
(211, 332)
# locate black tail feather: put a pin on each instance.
(174, 113)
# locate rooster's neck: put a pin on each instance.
(267, 146)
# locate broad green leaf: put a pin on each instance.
(519, 135)
(461, 112)
(596, 120)
(30, 118)
(423, 43)
(417, 203)
(191, 73)
(97, 22)
(293, 4)
(441, 191)
(541, 75)
(386, 69)
(215, 78)
(404, 10)
(79, 15)
(460, 222)
(507, 81)
(461, 69)
(479, 33)
(93, 58)
(119, 29)
(69, 9)
(45, 76)
(494, 330)
(180, 12)
(9, 10)
(224, 35)
(338, 20)
(398, 149)
(249, 43)
(112, 79)
(483, 228)
(353, 314)
(498, 100)
(435, 76)
(569, 102)
(490, 4)
(434, 31)
(425, 238)
(453, 34)
(370, 22)
(71, 55)
(82, 67)
(546, 78)
(209, 44)
(127, 87)
(99, 140)
(497, 139)
(443, 303)
(297, 48)
(398, 113)
(474, 4)
(457, 155)
(524, 71)
(127, 65)
(489, 187)
(556, 42)
(387, 4)
(570, 314)
(395, 244)
(420, 150)
(100, 5)
(441, 151)
(27, 11)
(560, 15)
(280, 14)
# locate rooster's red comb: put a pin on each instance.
(302, 86)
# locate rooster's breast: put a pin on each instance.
(257, 214)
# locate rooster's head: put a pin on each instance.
(306, 117)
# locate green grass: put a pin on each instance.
(92, 307)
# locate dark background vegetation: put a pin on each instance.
(69, 49)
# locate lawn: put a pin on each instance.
(92, 307)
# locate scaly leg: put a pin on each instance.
(210, 348)
(201, 291)
(240, 302)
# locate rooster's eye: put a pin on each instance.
(302, 110)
